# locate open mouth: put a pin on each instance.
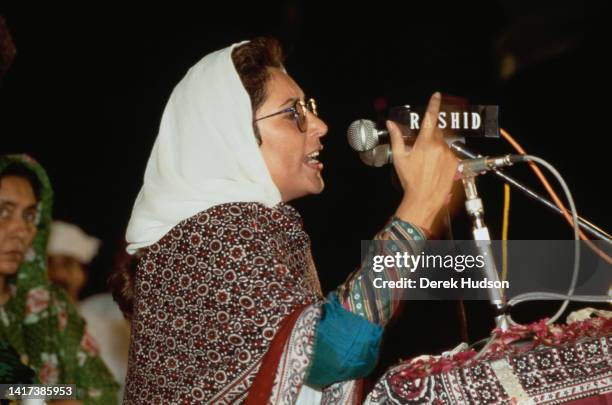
(312, 161)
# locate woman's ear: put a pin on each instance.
(257, 134)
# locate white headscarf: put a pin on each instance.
(205, 153)
(70, 240)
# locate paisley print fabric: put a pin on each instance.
(209, 299)
(574, 368)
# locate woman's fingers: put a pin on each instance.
(429, 129)
(397, 142)
(430, 120)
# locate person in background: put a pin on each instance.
(36, 318)
(70, 251)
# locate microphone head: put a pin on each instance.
(362, 135)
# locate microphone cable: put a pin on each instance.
(556, 199)
(539, 295)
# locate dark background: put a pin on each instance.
(85, 94)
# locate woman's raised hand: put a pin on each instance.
(426, 172)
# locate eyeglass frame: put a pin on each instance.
(310, 105)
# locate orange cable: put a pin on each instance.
(505, 225)
(554, 196)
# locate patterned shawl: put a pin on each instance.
(226, 308)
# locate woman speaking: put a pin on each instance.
(225, 301)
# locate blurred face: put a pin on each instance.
(67, 273)
(17, 222)
(290, 154)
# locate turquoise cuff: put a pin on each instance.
(346, 346)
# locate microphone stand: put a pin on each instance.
(475, 209)
(584, 225)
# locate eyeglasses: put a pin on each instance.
(298, 109)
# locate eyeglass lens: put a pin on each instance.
(300, 109)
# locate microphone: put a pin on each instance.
(374, 148)
(363, 135)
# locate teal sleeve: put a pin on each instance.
(346, 346)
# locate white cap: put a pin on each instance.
(70, 240)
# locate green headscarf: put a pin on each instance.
(39, 320)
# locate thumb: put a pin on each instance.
(397, 142)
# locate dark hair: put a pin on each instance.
(19, 170)
(252, 61)
(121, 280)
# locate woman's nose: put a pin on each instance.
(18, 227)
(316, 126)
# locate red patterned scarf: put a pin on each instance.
(210, 298)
